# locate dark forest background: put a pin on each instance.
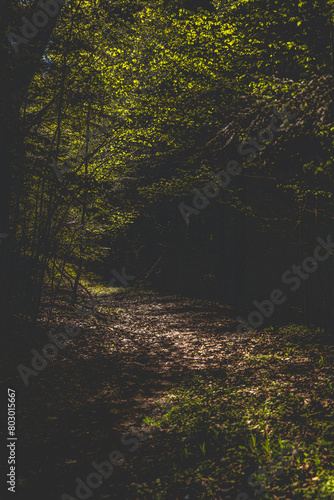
(116, 116)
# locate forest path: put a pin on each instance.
(116, 370)
(135, 352)
(157, 340)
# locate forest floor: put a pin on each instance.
(197, 411)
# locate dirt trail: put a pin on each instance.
(75, 411)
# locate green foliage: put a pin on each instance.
(143, 100)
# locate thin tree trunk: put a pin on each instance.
(84, 208)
